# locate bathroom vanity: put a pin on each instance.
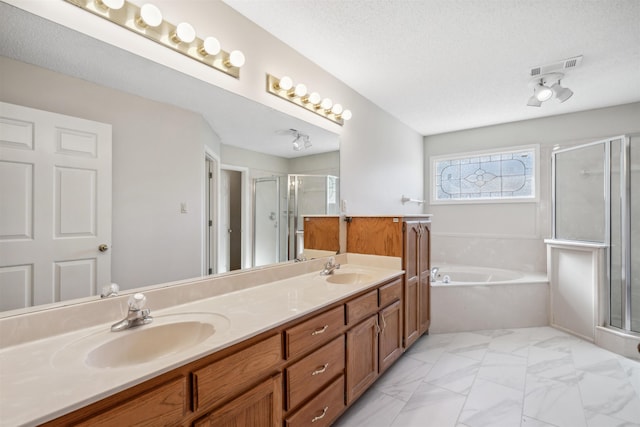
(297, 350)
(296, 372)
(408, 238)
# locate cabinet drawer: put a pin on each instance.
(225, 378)
(390, 292)
(322, 410)
(362, 307)
(166, 403)
(309, 375)
(314, 332)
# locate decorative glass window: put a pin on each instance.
(485, 176)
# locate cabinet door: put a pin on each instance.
(390, 335)
(362, 357)
(412, 266)
(259, 407)
(162, 406)
(424, 291)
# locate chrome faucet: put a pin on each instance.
(136, 316)
(434, 273)
(110, 291)
(329, 267)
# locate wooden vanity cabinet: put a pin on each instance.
(406, 237)
(374, 343)
(235, 386)
(305, 372)
(322, 233)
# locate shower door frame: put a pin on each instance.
(625, 221)
(278, 217)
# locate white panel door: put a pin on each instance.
(55, 207)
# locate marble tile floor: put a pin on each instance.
(531, 377)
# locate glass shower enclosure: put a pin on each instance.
(280, 203)
(596, 198)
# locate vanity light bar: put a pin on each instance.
(148, 22)
(298, 94)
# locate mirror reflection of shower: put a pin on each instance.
(280, 203)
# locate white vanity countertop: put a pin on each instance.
(43, 379)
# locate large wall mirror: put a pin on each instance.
(184, 153)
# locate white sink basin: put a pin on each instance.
(149, 343)
(166, 335)
(340, 278)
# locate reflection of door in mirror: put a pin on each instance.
(231, 220)
(211, 216)
(44, 260)
(266, 224)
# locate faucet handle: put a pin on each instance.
(137, 301)
(110, 291)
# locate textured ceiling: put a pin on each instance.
(445, 65)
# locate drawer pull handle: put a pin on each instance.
(319, 417)
(320, 370)
(320, 331)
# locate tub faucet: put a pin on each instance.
(136, 316)
(329, 267)
(434, 273)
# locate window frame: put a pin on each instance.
(535, 198)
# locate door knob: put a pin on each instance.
(103, 248)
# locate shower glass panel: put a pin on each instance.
(580, 188)
(279, 205)
(634, 262)
(309, 195)
(596, 188)
(616, 249)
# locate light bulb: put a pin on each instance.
(337, 109)
(314, 98)
(346, 115)
(326, 104)
(184, 33)
(285, 83)
(110, 4)
(543, 93)
(236, 59)
(150, 16)
(210, 46)
(300, 91)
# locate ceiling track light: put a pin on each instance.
(148, 22)
(301, 141)
(299, 94)
(547, 86)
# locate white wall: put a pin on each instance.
(511, 235)
(381, 158)
(158, 163)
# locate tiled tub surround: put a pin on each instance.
(530, 377)
(36, 372)
(485, 298)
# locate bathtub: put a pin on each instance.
(479, 298)
(466, 275)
